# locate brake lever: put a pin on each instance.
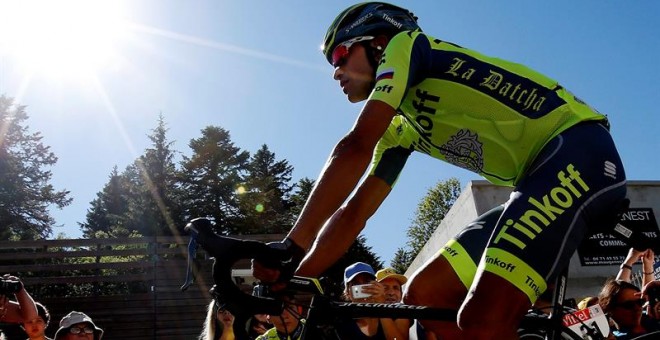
(192, 253)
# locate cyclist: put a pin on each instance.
(501, 120)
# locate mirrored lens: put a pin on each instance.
(339, 55)
(342, 50)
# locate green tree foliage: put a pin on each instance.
(144, 199)
(431, 210)
(302, 190)
(25, 189)
(402, 259)
(109, 210)
(157, 187)
(264, 197)
(210, 179)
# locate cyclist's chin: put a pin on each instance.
(356, 98)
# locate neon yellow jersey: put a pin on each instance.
(272, 334)
(484, 114)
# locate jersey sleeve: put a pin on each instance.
(401, 66)
(390, 154)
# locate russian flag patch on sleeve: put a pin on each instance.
(387, 73)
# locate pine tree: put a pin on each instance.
(154, 203)
(211, 177)
(265, 195)
(402, 260)
(108, 212)
(26, 193)
(301, 192)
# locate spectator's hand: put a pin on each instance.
(13, 279)
(261, 329)
(649, 257)
(376, 290)
(633, 256)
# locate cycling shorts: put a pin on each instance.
(577, 182)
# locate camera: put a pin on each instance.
(357, 292)
(9, 286)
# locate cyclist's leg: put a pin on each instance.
(576, 179)
(443, 280)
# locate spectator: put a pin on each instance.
(36, 328)
(363, 275)
(76, 326)
(219, 324)
(587, 302)
(392, 283)
(647, 258)
(14, 312)
(652, 292)
(623, 302)
(288, 325)
(258, 325)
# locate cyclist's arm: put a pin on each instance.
(344, 227)
(343, 169)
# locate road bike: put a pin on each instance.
(559, 322)
(323, 313)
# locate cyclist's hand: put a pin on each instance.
(280, 265)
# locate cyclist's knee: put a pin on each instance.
(435, 284)
(491, 308)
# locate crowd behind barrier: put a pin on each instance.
(630, 299)
(632, 311)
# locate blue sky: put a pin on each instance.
(95, 88)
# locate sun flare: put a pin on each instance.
(63, 38)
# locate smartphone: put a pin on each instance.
(357, 292)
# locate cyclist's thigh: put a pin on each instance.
(465, 250)
(577, 178)
(444, 279)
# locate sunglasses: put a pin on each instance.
(341, 52)
(78, 330)
(631, 304)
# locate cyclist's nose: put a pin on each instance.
(337, 74)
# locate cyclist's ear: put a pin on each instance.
(378, 45)
(379, 42)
